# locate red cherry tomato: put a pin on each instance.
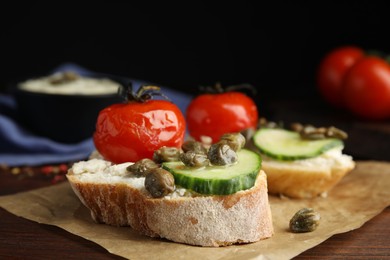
(213, 115)
(366, 88)
(133, 131)
(332, 70)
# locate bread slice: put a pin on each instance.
(119, 200)
(307, 178)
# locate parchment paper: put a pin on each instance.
(360, 196)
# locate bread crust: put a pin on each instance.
(213, 221)
(303, 182)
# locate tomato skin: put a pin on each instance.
(133, 131)
(366, 88)
(213, 115)
(332, 70)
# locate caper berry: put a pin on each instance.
(305, 220)
(142, 167)
(193, 159)
(166, 154)
(221, 154)
(195, 146)
(236, 141)
(159, 182)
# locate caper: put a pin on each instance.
(263, 122)
(195, 146)
(236, 141)
(166, 154)
(159, 182)
(309, 129)
(63, 77)
(309, 132)
(304, 220)
(297, 127)
(313, 136)
(221, 154)
(336, 133)
(142, 167)
(193, 159)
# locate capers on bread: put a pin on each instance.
(172, 200)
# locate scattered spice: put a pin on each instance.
(15, 171)
(55, 173)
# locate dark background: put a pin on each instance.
(274, 45)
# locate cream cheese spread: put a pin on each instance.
(102, 171)
(333, 157)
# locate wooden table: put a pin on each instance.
(24, 239)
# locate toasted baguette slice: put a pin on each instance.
(307, 178)
(116, 199)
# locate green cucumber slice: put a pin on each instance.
(282, 144)
(218, 180)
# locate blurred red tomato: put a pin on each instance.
(332, 70)
(366, 88)
(216, 114)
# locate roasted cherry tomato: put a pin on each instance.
(366, 88)
(215, 114)
(134, 130)
(332, 70)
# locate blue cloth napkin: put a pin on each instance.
(19, 147)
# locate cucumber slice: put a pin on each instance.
(218, 180)
(287, 145)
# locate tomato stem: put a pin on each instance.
(379, 54)
(144, 93)
(242, 86)
(217, 88)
